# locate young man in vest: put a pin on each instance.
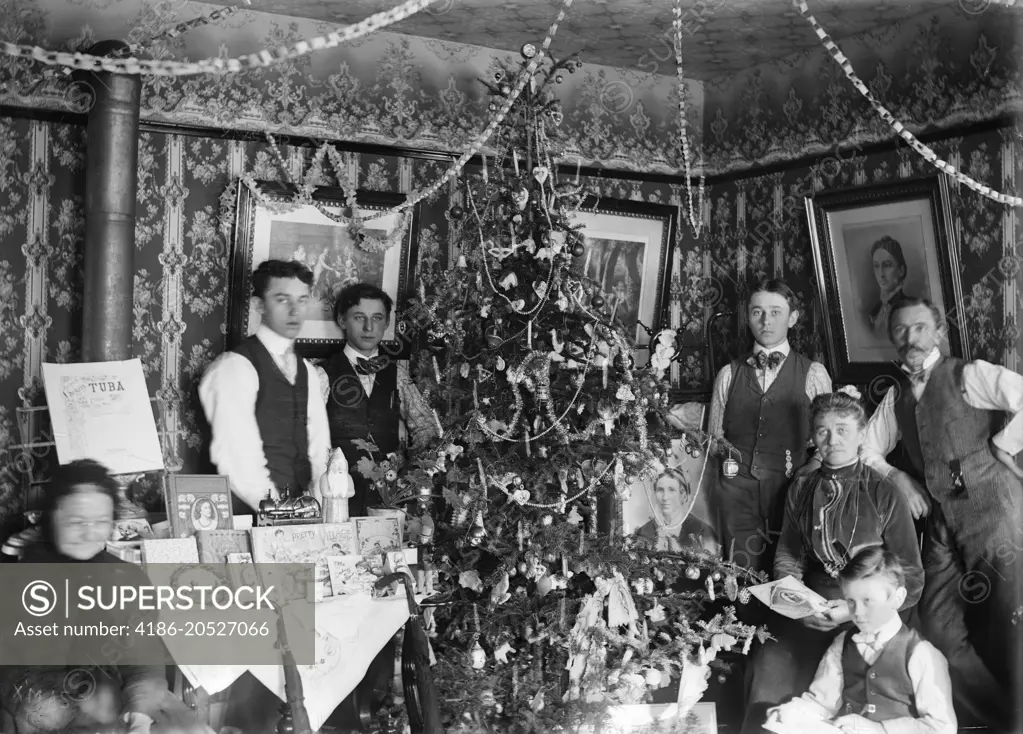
(268, 420)
(947, 414)
(368, 397)
(761, 405)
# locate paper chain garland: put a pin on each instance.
(928, 154)
(266, 57)
(695, 222)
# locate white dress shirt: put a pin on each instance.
(928, 671)
(228, 395)
(985, 387)
(818, 382)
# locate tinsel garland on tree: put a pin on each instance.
(549, 616)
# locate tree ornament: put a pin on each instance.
(597, 301)
(523, 567)
(498, 75)
(744, 595)
(492, 107)
(696, 453)
(559, 78)
(722, 678)
(692, 573)
(729, 467)
(653, 677)
(479, 656)
(546, 520)
(578, 250)
(731, 587)
(456, 212)
(505, 90)
(528, 51)
(716, 575)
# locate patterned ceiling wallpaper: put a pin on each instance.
(932, 72)
(720, 37)
(386, 88)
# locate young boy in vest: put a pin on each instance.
(884, 679)
(267, 417)
(367, 396)
(761, 405)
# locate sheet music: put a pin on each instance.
(102, 411)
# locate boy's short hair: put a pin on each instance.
(871, 562)
(356, 292)
(778, 287)
(270, 269)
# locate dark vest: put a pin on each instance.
(354, 416)
(282, 416)
(884, 690)
(763, 426)
(942, 433)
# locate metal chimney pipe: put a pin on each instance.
(111, 180)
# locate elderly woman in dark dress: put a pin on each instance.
(78, 519)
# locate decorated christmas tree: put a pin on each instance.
(549, 616)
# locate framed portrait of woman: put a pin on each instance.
(673, 508)
(873, 245)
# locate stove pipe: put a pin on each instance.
(111, 180)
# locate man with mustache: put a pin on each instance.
(947, 413)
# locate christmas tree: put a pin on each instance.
(549, 615)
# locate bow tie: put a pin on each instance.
(868, 640)
(371, 366)
(916, 378)
(764, 360)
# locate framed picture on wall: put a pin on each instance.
(628, 253)
(872, 245)
(383, 253)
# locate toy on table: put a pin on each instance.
(336, 487)
(288, 510)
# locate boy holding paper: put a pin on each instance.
(885, 678)
(831, 515)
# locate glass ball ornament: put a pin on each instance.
(716, 576)
(456, 212)
(597, 301)
(559, 78)
(696, 452)
(722, 678)
(476, 535)
(498, 75)
(492, 107)
(578, 249)
(692, 573)
(528, 51)
(523, 567)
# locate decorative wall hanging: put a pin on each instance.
(628, 253)
(870, 246)
(384, 252)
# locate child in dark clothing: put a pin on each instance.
(885, 678)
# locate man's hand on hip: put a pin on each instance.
(914, 495)
(1008, 459)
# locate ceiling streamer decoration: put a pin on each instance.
(266, 57)
(695, 222)
(926, 152)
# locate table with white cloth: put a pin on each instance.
(350, 632)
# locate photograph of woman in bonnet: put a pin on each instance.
(671, 524)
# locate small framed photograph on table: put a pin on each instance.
(197, 502)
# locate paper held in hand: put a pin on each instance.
(802, 727)
(790, 597)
